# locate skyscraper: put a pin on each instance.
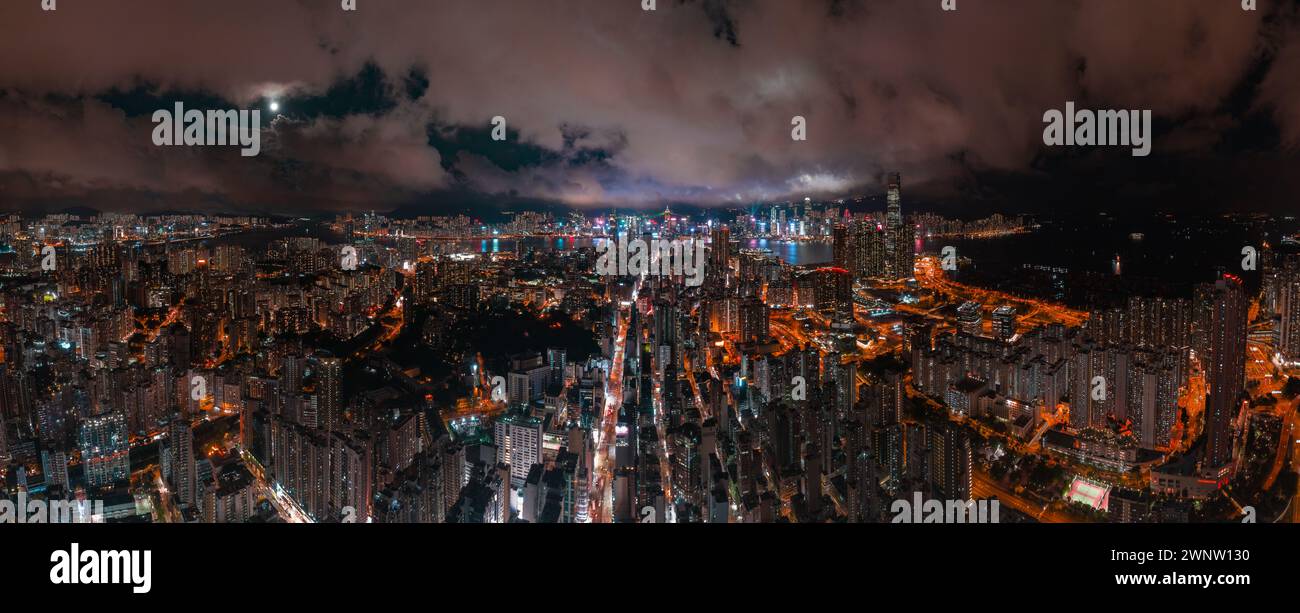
(54, 464)
(869, 250)
(426, 282)
(840, 246)
(951, 448)
(1004, 322)
(329, 398)
(1224, 308)
(753, 320)
(719, 252)
(970, 318)
(180, 455)
(1289, 303)
(519, 444)
(105, 450)
(893, 201)
(899, 248)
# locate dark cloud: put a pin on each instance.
(609, 105)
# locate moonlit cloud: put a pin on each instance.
(608, 104)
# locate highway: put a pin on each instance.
(1268, 380)
(1030, 312)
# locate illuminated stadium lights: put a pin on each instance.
(1091, 493)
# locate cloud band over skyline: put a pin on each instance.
(610, 105)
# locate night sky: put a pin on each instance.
(389, 107)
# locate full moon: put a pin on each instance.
(275, 106)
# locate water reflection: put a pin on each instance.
(795, 253)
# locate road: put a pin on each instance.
(1268, 380)
(284, 504)
(661, 426)
(1030, 312)
(983, 486)
(601, 499)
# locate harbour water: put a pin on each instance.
(795, 253)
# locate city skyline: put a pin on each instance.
(689, 261)
(472, 286)
(827, 366)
